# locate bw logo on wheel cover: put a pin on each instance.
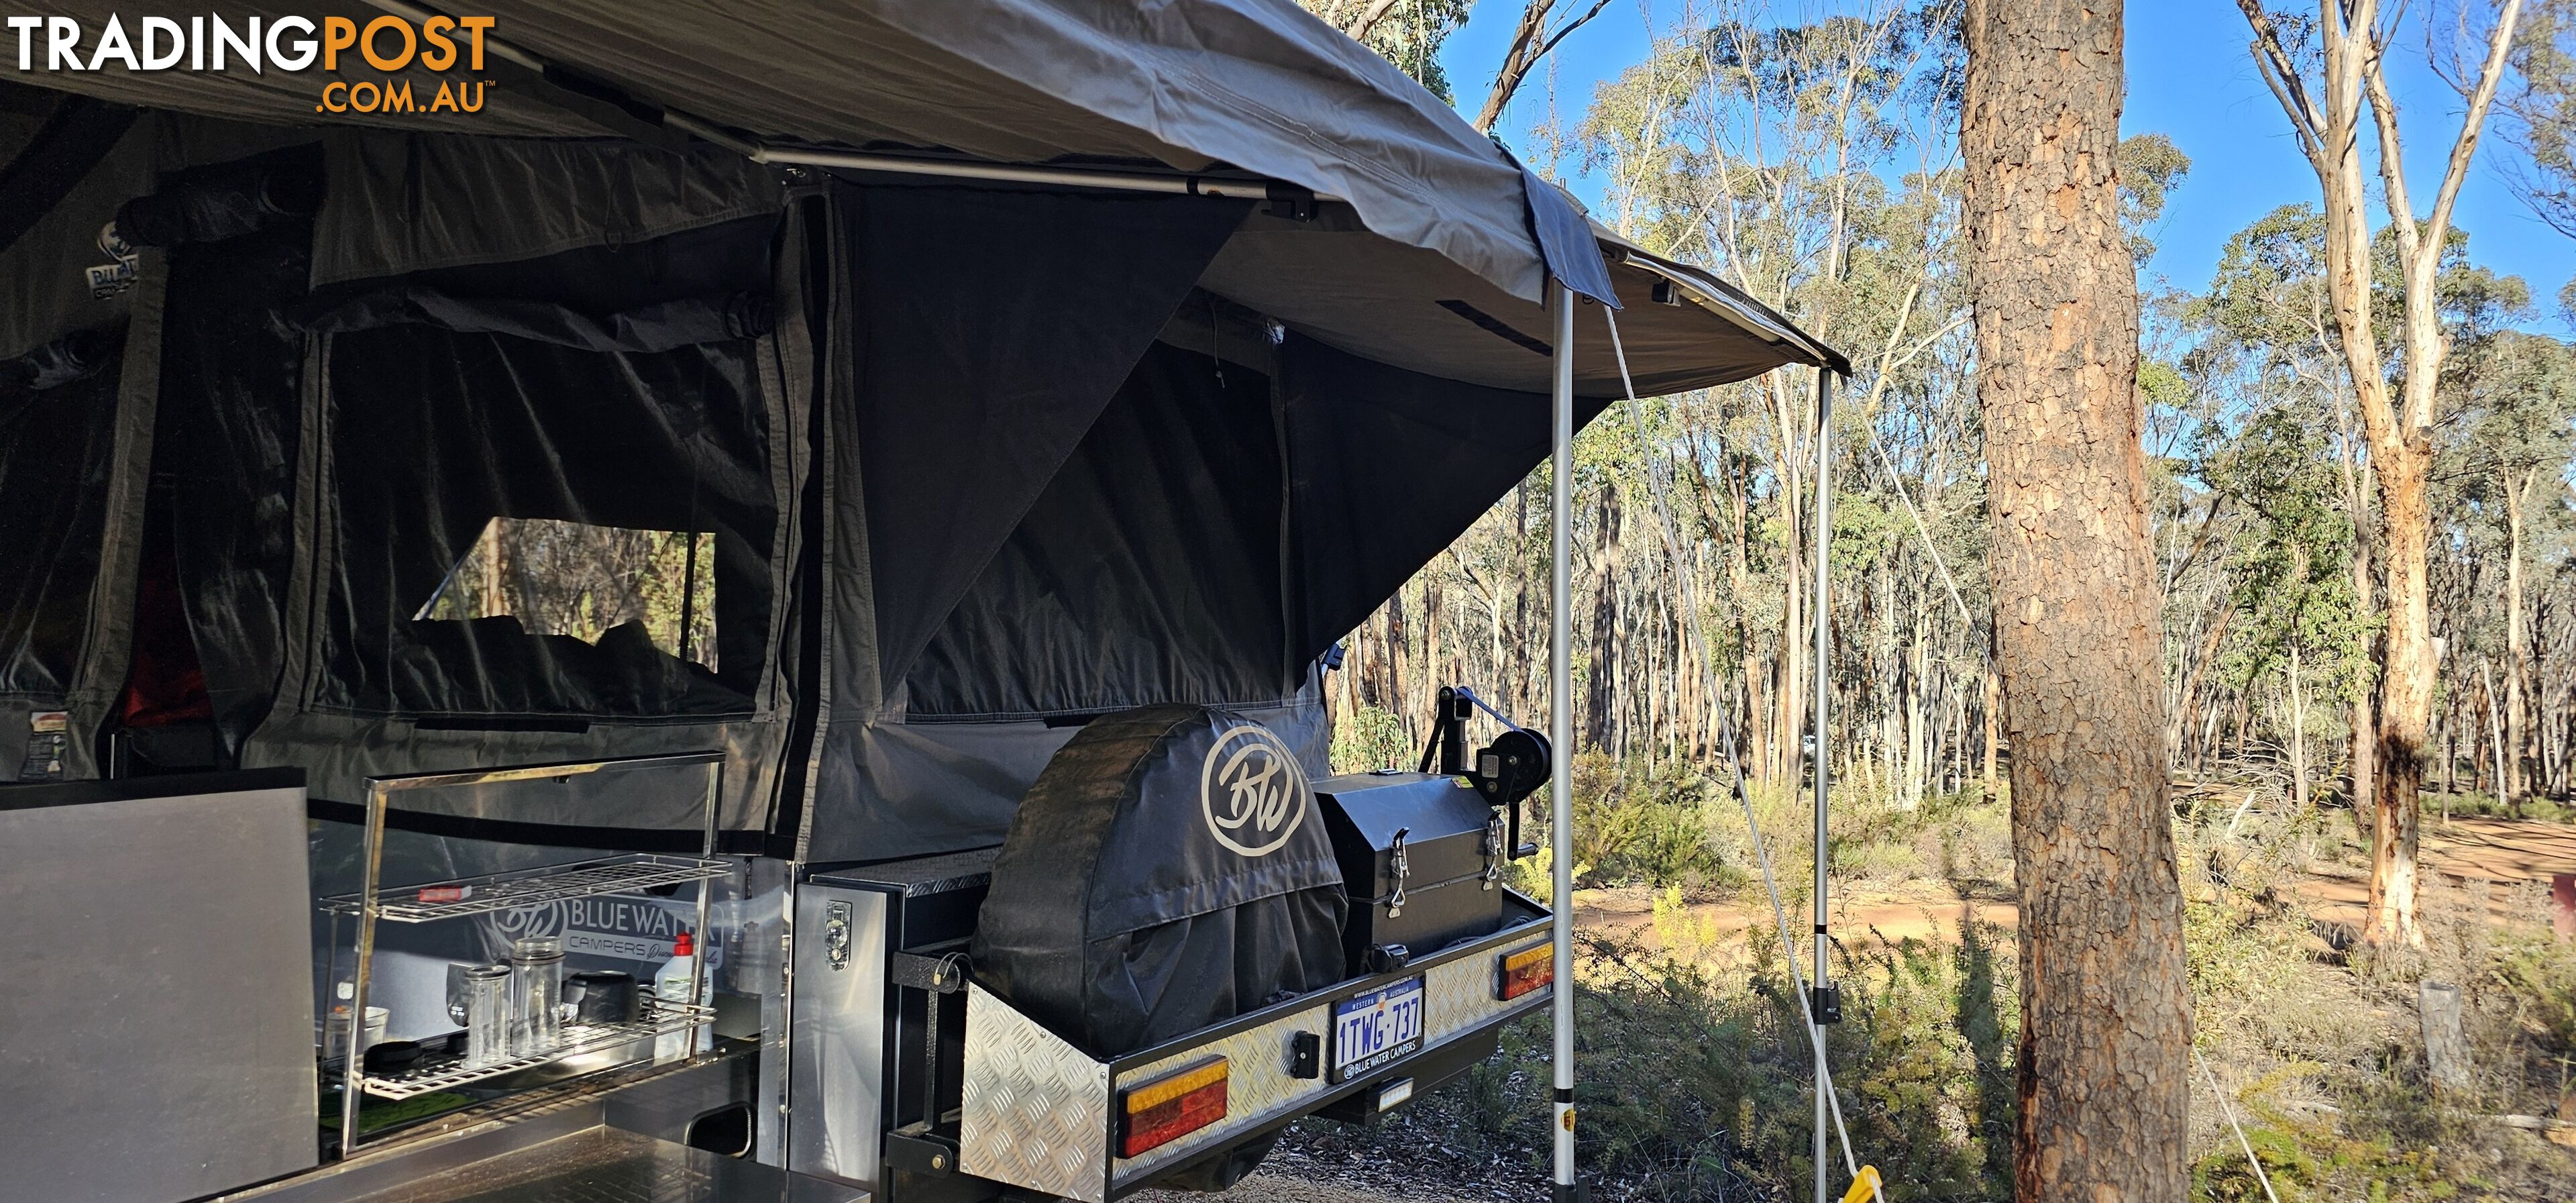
(1252, 791)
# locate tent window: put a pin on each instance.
(556, 577)
(574, 601)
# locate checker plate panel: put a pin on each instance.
(1038, 1113)
(1035, 1110)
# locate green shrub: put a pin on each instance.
(2469, 805)
(1368, 738)
(2540, 975)
(2360, 1158)
(1639, 826)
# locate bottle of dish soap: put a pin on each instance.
(672, 986)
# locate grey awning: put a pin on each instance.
(1255, 86)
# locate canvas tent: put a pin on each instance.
(1016, 360)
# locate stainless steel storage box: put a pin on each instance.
(156, 1025)
(857, 1056)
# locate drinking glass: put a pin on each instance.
(536, 991)
(488, 1014)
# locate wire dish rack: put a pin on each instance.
(442, 1071)
(468, 896)
(492, 893)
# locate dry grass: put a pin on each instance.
(2315, 1039)
(1693, 1061)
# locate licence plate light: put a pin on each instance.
(1394, 1094)
(1518, 973)
(1171, 1107)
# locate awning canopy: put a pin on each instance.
(1459, 238)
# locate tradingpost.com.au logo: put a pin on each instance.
(291, 44)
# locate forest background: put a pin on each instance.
(1808, 152)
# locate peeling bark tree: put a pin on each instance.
(2352, 42)
(2105, 1019)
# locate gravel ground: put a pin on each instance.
(1269, 1187)
(1412, 1156)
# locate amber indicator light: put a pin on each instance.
(1518, 973)
(1171, 1107)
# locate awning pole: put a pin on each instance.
(1822, 549)
(1560, 726)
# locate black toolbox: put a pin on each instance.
(1422, 857)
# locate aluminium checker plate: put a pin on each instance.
(1039, 1113)
(1035, 1110)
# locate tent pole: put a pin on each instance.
(1822, 548)
(1560, 727)
(1169, 183)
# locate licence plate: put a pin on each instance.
(1376, 1028)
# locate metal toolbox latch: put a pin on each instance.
(1399, 869)
(1493, 848)
(836, 935)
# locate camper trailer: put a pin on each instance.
(746, 616)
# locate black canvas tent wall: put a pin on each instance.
(979, 457)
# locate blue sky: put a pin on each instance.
(2190, 77)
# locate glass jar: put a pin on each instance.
(488, 1014)
(536, 989)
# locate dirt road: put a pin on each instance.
(2517, 857)
(1861, 914)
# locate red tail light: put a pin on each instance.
(1518, 973)
(1171, 1107)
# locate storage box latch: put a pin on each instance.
(1399, 869)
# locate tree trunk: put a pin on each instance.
(2364, 781)
(2405, 689)
(2350, 45)
(1739, 573)
(1910, 691)
(2546, 749)
(2450, 741)
(2106, 1022)
(1789, 691)
(2191, 693)
(2517, 653)
(2298, 737)
(1515, 624)
(1391, 662)
(2495, 732)
(1994, 722)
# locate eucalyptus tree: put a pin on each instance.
(2540, 105)
(1410, 33)
(2329, 75)
(1805, 155)
(2285, 565)
(2518, 401)
(2268, 305)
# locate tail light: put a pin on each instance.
(1171, 1107)
(1518, 973)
